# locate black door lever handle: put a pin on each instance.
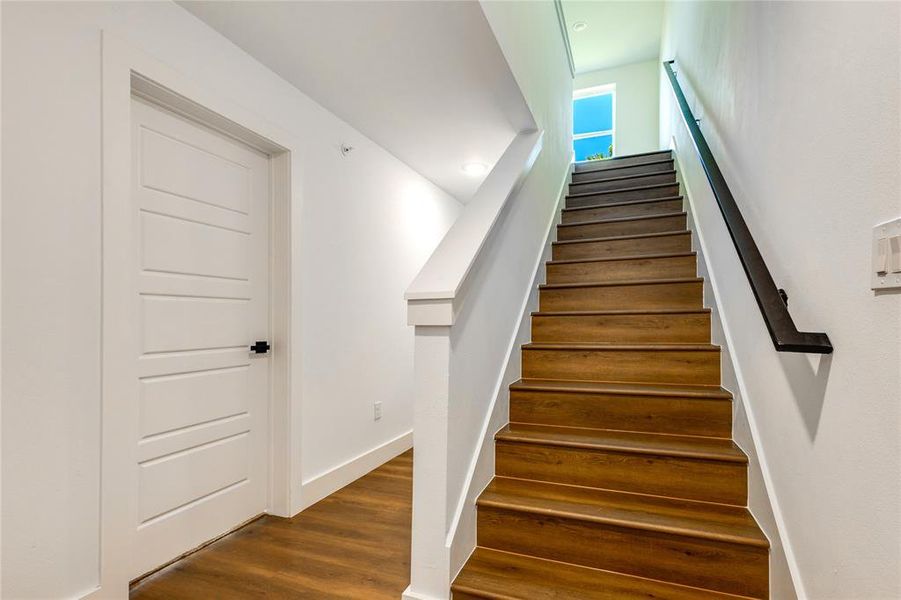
(260, 347)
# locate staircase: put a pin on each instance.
(617, 477)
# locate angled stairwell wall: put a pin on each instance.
(463, 345)
(617, 476)
(698, 198)
(774, 86)
(462, 365)
(364, 224)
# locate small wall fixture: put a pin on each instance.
(580, 26)
(886, 269)
(475, 168)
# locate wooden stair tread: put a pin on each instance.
(621, 311)
(575, 261)
(719, 522)
(623, 203)
(719, 449)
(614, 168)
(662, 347)
(633, 236)
(624, 177)
(624, 219)
(580, 165)
(626, 389)
(617, 476)
(621, 190)
(549, 286)
(496, 575)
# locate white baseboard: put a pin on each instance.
(94, 594)
(461, 539)
(784, 582)
(409, 595)
(316, 488)
(321, 486)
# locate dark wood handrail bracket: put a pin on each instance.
(785, 335)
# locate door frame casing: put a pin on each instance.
(128, 71)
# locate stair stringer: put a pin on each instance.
(760, 499)
(461, 537)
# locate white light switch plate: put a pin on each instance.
(891, 279)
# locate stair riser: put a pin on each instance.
(600, 165)
(462, 596)
(627, 210)
(618, 184)
(688, 328)
(623, 270)
(727, 567)
(623, 171)
(648, 414)
(628, 247)
(629, 227)
(639, 366)
(625, 296)
(662, 191)
(676, 477)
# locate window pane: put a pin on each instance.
(593, 114)
(586, 147)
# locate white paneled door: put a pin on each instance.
(201, 205)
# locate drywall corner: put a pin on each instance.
(316, 488)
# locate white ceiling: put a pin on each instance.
(618, 32)
(425, 80)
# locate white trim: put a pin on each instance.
(127, 70)
(564, 32)
(591, 134)
(741, 395)
(598, 90)
(444, 274)
(1, 204)
(483, 458)
(411, 595)
(318, 487)
(440, 311)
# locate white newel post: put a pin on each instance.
(430, 560)
(433, 301)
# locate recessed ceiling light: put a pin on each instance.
(580, 26)
(475, 168)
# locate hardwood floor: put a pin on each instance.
(353, 544)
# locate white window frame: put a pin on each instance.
(599, 90)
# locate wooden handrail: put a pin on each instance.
(771, 300)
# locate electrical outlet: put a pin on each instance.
(377, 411)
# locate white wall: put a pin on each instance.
(379, 74)
(637, 103)
(464, 369)
(1, 304)
(368, 224)
(800, 104)
(711, 242)
(530, 39)
(502, 288)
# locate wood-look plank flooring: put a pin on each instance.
(353, 544)
(617, 477)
